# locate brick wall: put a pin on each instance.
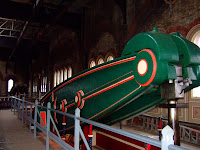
(184, 13)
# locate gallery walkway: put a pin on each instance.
(15, 136)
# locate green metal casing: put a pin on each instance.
(128, 85)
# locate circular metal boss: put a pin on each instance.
(78, 100)
(145, 67)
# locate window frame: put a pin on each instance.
(65, 74)
(192, 35)
(10, 79)
(61, 75)
(109, 54)
(69, 71)
(90, 63)
(100, 57)
(58, 77)
(55, 79)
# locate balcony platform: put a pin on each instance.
(15, 136)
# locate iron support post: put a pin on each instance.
(11, 102)
(173, 121)
(76, 129)
(35, 117)
(30, 115)
(172, 91)
(25, 113)
(48, 125)
(18, 108)
(14, 104)
(23, 109)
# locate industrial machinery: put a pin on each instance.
(154, 68)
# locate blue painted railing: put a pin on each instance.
(20, 106)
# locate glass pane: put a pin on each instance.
(100, 61)
(69, 72)
(58, 77)
(44, 86)
(110, 58)
(41, 88)
(10, 84)
(35, 88)
(197, 39)
(61, 76)
(54, 79)
(196, 92)
(65, 74)
(92, 63)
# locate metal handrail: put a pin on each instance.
(77, 129)
(3, 97)
(182, 126)
(124, 133)
(152, 124)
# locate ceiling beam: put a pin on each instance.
(35, 6)
(18, 40)
(10, 27)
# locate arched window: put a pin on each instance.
(92, 63)
(65, 74)
(61, 76)
(43, 84)
(69, 73)
(109, 57)
(100, 60)
(196, 92)
(58, 77)
(194, 36)
(55, 79)
(35, 84)
(10, 84)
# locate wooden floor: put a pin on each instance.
(15, 136)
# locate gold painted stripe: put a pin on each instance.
(110, 87)
(109, 82)
(89, 72)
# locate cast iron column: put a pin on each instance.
(172, 91)
(173, 121)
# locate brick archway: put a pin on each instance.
(182, 30)
(11, 77)
(193, 28)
